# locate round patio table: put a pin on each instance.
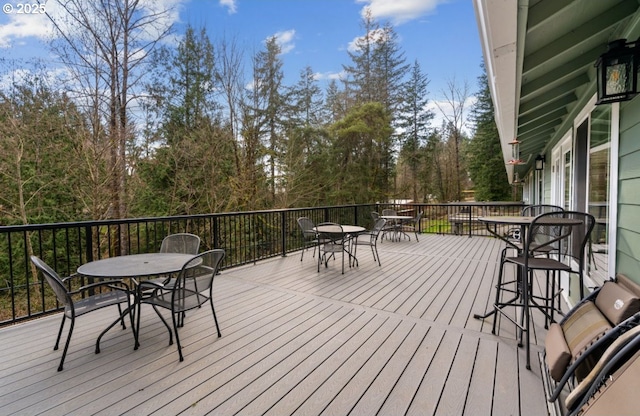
(397, 224)
(135, 265)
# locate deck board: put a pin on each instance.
(377, 340)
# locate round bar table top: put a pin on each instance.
(346, 229)
(520, 220)
(396, 217)
(134, 265)
(507, 219)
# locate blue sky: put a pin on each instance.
(441, 34)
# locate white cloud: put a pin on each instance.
(443, 111)
(375, 35)
(338, 76)
(400, 11)
(230, 5)
(36, 25)
(284, 40)
(23, 26)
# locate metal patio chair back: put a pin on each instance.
(370, 238)
(192, 288)
(84, 299)
(180, 243)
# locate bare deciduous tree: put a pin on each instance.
(453, 110)
(104, 45)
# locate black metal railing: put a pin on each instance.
(245, 236)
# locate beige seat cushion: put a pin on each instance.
(557, 354)
(584, 327)
(616, 302)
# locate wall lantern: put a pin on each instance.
(515, 153)
(617, 72)
(540, 162)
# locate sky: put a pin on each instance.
(440, 34)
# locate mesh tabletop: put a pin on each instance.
(133, 265)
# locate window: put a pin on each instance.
(598, 189)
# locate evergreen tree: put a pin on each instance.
(189, 173)
(358, 141)
(268, 102)
(414, 123)
(486, 165)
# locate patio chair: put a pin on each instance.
(611, 387)
(391, 226)
(309, 235)
(370, 238)
(578, 347)
(412, 226)
(180, 243)
(89, 297)
(192, 289)
(514, 242)
(375, 216)
(184, 243)
(568, 239)
(334, 241)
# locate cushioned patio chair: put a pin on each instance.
(80, 299)
(192, 288)
(576, 347)
(611, 387)
(615, 304)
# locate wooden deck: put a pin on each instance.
(391, 340)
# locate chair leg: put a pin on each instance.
(66, 345)
(175, 328)
(503, 255)
(64, 317)
(214, 316)
(166, 324)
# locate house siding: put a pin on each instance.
(628, 227)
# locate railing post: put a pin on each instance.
(216, 233)
(283, 232)
(88, 233)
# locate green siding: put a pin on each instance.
(628, 227)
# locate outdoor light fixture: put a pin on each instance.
(540, 162)
(515, 153)
(516, 180)
(617, 72)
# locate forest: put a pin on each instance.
(126, 126)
